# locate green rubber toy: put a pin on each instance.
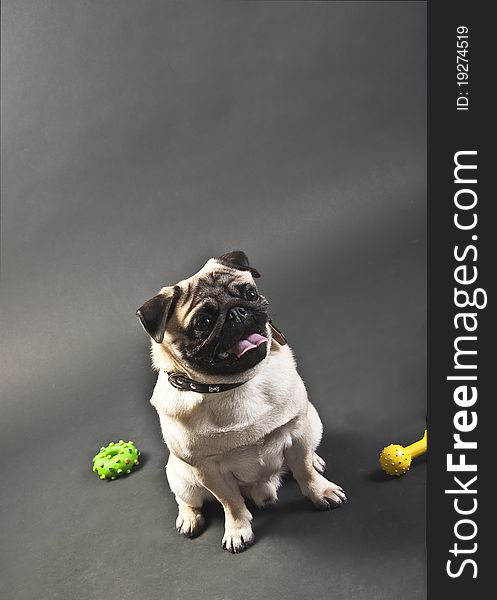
(116, 460)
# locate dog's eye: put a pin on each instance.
(250, 294)
(202, 322)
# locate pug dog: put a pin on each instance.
(233, 410)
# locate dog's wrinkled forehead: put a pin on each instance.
(215, 282)
(220, 281)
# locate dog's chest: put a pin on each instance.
(216, 429)
(225, 415)
(196, 427)
(211, 432)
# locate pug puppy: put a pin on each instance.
(233, 410)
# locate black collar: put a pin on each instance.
(181, 382)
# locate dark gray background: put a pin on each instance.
(138, 140)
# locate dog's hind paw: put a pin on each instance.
(264, 493)
(318, 463)
(326, 495)
(333, 497)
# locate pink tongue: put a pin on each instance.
(252, 341)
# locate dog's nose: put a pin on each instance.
(237, 313)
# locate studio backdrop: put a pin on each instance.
(140, 139)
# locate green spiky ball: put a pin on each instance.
(115, 460)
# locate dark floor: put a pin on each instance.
(68, 534)
(71, 535)
(138, 140)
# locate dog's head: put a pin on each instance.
(213, 323)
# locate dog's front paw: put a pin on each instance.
(238, 538)
(326, 495)
(190, 521)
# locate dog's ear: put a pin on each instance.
(238, 260)
(154, 313)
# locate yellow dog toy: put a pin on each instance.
(396, 460)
